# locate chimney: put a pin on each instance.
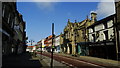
(68, 20)
(93, 17)
(75, 21)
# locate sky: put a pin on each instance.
(39, 16)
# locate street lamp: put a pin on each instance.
(41, 49)
(52, 45)
(31, 41)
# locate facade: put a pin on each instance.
(102, 38)
(117, 26)
(19, 27)
(7, 27)
(57, 44)
(12, 41)
(61, 43)
(48, 43)
(30, 48)
(39, 44)
(75, 36)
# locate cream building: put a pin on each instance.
(75, 36)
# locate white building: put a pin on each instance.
(41, 43)
(30, 48)
(57, 44)
(102, 38)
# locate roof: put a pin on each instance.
(104, 20)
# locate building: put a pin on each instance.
(75, 36)
(8, 19)
(48, 43)
(61, 43)
(30, 48)
(13, 30)
(102, 38)
(41, 45)
(57, 44)
(38, 46)
(20, 33)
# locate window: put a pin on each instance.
(105, 25)
(99, 27)
(83, 33)
(97, 34)
(8, 19)
(106, 34)
(93, 37)
(11, 20)
(3, 10)
(12, 24)
(110, 23)
(6, 13)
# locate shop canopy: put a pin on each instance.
(83, 43)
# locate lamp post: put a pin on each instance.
(52, 45)
(41, 49)
(31, 42)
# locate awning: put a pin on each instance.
(83, 43)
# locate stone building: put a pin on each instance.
(102, 38)
(75, 36)
(8, 19)
(20, 34)
(12, 41)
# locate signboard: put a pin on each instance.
(53, 46)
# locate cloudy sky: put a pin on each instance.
(39, 16)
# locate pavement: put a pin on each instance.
(95, 60)
(46, 62)
(24, 60)
(27, 60)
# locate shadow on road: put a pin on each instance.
(20, 61)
